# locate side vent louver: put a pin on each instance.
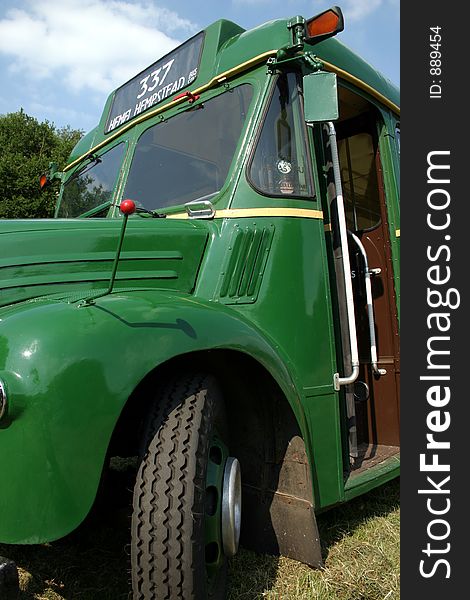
(244, 264)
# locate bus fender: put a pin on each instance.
(69, 371)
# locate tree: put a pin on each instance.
(26, 148)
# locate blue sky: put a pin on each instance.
(59, 59)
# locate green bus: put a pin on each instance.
(216, 301)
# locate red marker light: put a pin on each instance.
(127, 207)
(325, 25)
(42, 181)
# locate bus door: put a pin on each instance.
(372, 402)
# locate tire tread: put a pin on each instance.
(167, 552)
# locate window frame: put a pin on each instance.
(168, 117)
(109, 203)
(355, 127)
(311, 197)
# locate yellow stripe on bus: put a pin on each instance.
(240, 213)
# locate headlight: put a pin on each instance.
(3, 399)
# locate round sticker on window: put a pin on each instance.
(283, 166)
(286, 186)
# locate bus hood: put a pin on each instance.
(42, 257)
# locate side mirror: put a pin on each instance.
(320, 97)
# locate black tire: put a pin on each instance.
(168, 552)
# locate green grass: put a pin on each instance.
(360, 549)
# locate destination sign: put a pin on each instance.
(168, 75)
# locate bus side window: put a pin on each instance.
(357, 153)
(280, 165)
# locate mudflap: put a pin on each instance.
(9, 582)
(283, 525)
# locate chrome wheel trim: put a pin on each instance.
(231, 506)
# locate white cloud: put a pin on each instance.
(88, 44)
(67, 114)
(355, 10)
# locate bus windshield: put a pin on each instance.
(92, 185)
(188, 157)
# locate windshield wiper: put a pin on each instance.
(152, 213)
(94, 160)
(144, 211)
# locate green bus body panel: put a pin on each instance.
(45, 257)
(391, 175)
(293, 310)
(69, 371)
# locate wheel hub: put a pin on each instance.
(231, 506)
